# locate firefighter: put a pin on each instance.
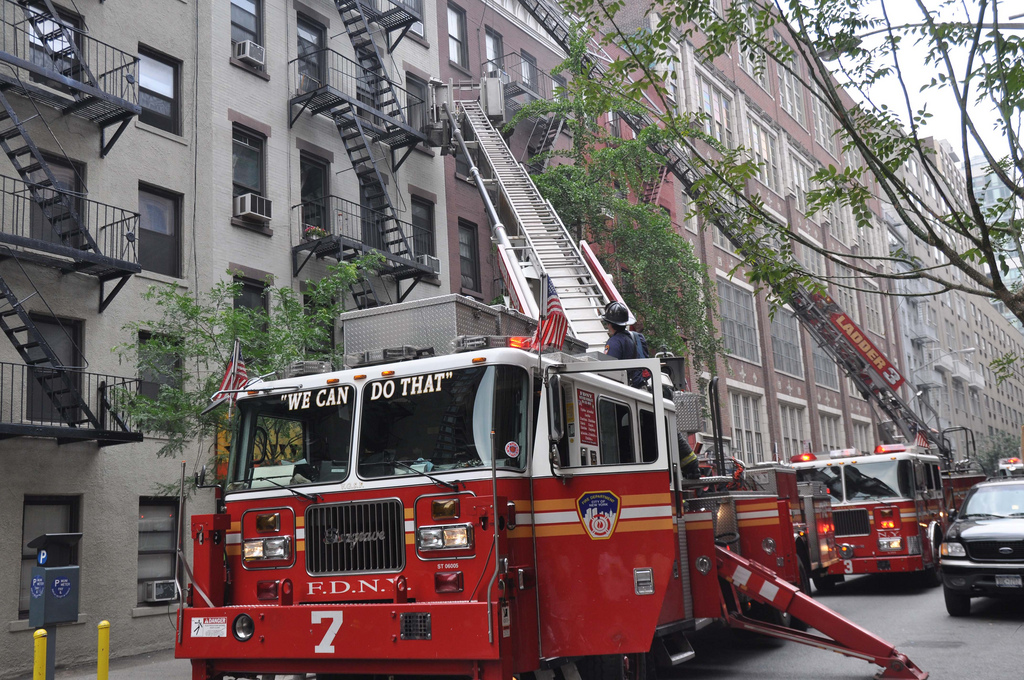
(622, 343)
(688, 463)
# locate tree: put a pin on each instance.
(665, 284)
(831, 48)
(994, 446)
(186, 346)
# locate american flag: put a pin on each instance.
(921, 440)
(552, 328)
(235, 378)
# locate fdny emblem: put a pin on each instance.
(599, 512)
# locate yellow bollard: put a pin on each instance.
(39, 660)
(103, 651)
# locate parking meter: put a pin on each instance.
(54, 587)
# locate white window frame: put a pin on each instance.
(744, 337)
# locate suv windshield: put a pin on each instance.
(294, 438)
(998, 500)
(443, 421)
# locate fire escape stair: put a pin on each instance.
(398, 18)
(542, 139)
(545, 240)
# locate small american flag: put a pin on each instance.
(921, 440)
(235, 378)
(551, 330)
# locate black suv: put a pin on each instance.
(983, 553)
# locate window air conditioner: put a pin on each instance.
(160, 591)
(250, 53)
(253, 207)
(430, 261)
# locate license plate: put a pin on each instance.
(1008, 581)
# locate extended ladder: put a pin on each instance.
(541, 243)
(875, 376)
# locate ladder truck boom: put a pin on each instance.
(875, 376)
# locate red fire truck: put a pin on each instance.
(483, 513)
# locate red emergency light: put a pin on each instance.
(803, 458)
(890, 448)
(1013, 461)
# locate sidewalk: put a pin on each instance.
(152, 666)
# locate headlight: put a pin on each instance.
(890, 543)
(952, 550)
(243, 627)
(445, 537)
(277, 548)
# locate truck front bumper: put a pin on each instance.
(983, 578)
(421, 638)
(877, 564)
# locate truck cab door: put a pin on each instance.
(603, 524)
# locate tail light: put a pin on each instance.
(887, 518)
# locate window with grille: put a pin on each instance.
(158, 531)
(717, 107)
(44, 515)
(746, 428)
(832, 436)
(792, 420)
(764, 150)
(739, 324)
(312, 37)
(826, 374)
(786, 344)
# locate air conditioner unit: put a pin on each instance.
(253, 207)
(430, 261)
(161, 591)
(250, 53)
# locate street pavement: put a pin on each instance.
(153, 666)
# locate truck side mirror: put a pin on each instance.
(676, 371)
(556, 409)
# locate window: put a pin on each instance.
(614, 125)
(159, 92)
(312, 38)
(739, 327)
(494, 52)
(824, 123)
(746, 428)
(826, 374)
(247, 162)
(423, 226)
(458, 51)
(64, 337)
(790, 89)
(416, 103)
(862, 440)
(558, 85)
(786, 344)
(959, 396)
(69, 179)
(251, 296)
(469, 255)
(752, 60)
(801, 184)
(812, 260)
(764, 150)
(873, 308)
(717, 108)
(44, 515)
(842, 223)
(721, 240)
(615, 428)
(463, 164)
(63, 59)
(649, 436)
(246, 18)
(160, 235)
(158, 534)
(529, 69)
(157, 369)
(314, 188)
(843, 294)
(832, 436)
(792, 431)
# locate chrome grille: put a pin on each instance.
(996, 551)
(361, 536)
(851, 522)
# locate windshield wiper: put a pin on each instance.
(435, 480)
(978, 515)
(315, 498)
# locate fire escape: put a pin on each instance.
(47, 220)
(375, 119)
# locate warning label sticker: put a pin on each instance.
(588, 417)
(209, 626)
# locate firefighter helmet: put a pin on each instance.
(616, 313)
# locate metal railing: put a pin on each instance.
(329, 69)
(23, 400)
(521, 76)
(413, 7)
(115, 230)
(115, 71)
(337, 216)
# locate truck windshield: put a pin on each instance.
(879, 479)
(292, 439)
(443, 421)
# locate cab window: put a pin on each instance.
(615, 426)
(649, 437)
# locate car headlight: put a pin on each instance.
(445, 537)
(952, 550)
(276, 548)
(890, 544)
